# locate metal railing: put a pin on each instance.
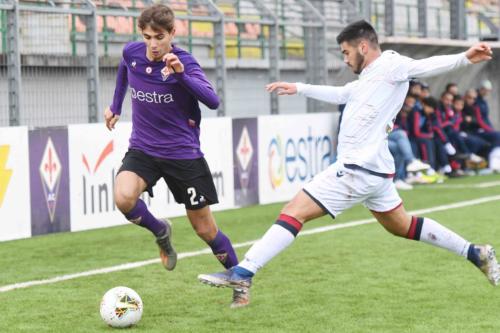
(54, 54)
(49, 45)
(475, 19)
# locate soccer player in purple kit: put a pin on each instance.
(166, 85)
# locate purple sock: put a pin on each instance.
(141, 216)
(223, 250)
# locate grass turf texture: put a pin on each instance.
(359, 279)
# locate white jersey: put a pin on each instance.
(372, 103)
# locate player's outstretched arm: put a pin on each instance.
(330, 94)
(410, 68)
(479, 53)
(282, 88)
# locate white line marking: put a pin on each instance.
(137, 264)
(478, 185)
(488, 184)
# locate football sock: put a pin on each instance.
(141, 216)
(223, 250)
(276, 239)
(431, 232)
(473, 256)
(243, 272)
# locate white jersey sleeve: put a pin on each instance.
(330, 94)
(409, 68)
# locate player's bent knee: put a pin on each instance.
(303, 208)
(206, 233)
(300, 214)
(125, 201)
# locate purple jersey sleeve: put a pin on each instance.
(195, 81)
(120, 89)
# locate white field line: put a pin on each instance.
(479, 185)
(136, 264)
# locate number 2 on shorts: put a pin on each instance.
(192, 195)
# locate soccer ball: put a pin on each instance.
(121, 307)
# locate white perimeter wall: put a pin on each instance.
(291, 150)
(15, 210)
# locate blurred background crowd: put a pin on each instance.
(444, 134)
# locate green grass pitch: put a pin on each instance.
(358, 279)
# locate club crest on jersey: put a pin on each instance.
(149, 70)
(164, 74)
(134, 63)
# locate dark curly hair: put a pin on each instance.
(356, 31)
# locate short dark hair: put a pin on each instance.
(356, 31)
(158, 17)
(430, 101)
(409, 94)
(449, 85)
(415, 82)
(458, 97)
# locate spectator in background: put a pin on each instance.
(400, 147)
(483, 91)
(415, 89)
(445, 103)
(474, 143)
(452, 88)
(475, 124)
(449, 121)
(425, 91)
(428, 140)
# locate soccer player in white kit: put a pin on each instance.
(364, 169)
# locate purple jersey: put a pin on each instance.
(165, 112)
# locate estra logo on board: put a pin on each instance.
(97, 187)
(298, 158)
(292, 150)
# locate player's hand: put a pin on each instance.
(110, 118)
(479, 52)
(172, 63)
(282, 88)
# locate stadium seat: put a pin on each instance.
(181, 28)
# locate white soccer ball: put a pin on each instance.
(121, 307)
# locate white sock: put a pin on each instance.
(435, 234)
(275, 240)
